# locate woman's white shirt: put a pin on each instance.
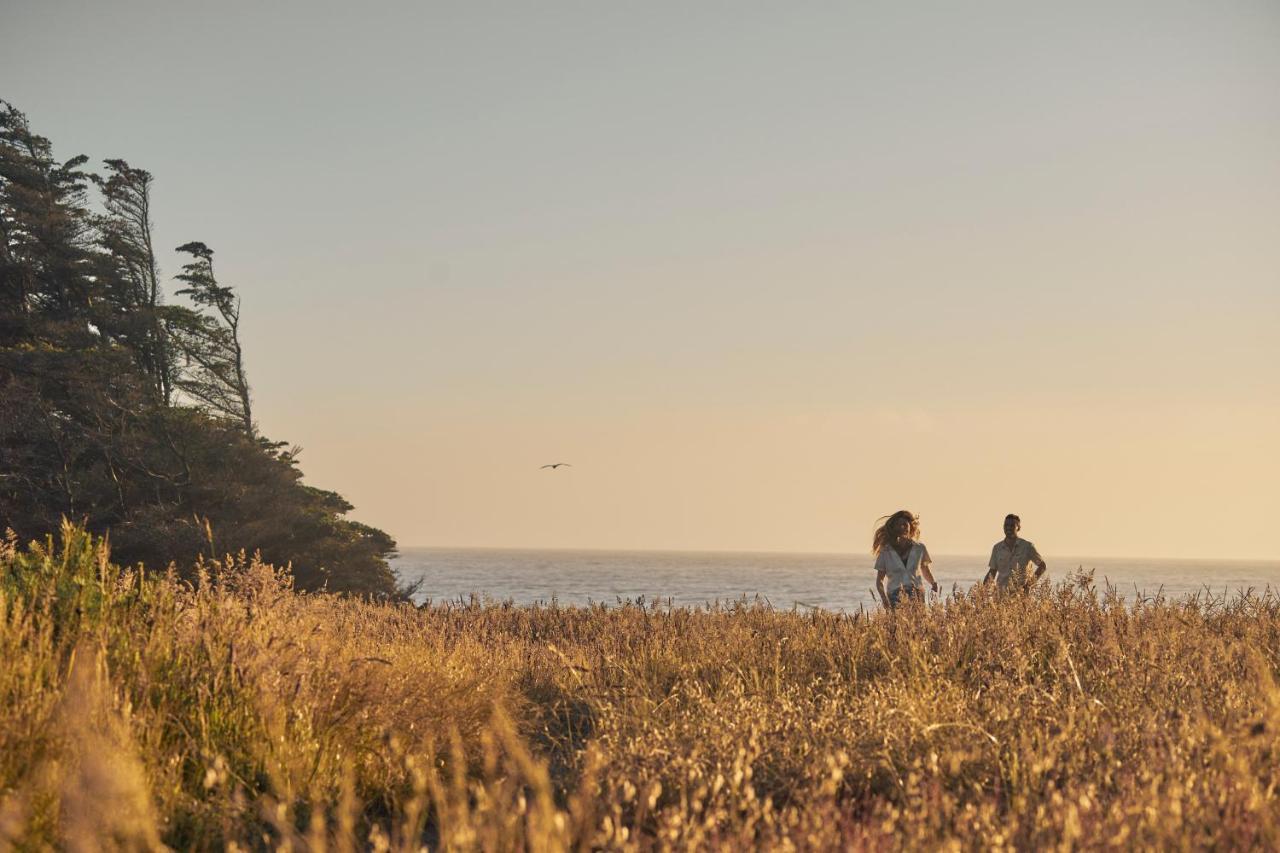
(900, 572)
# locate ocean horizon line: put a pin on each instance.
(401, 549)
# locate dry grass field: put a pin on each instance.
(221, 710)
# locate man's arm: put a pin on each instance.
(991, 568)
(1041, 566)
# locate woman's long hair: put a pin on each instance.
(884, 534)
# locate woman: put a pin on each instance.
(901, 559)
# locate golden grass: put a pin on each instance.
(228, 712)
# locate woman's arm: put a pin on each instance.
(925, 562)
(880, 576)
(928, 575)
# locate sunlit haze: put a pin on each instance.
(761, 273)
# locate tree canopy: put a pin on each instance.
(131, 415)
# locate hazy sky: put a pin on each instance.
(760, 272)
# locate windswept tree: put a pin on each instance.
(129, 275)
(45, 280)
(208, 340)
(56, 377)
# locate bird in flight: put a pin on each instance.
(556, 465)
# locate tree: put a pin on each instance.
(129, 275)
(44, 282)
(53, 372)
(209, 342)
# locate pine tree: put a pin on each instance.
(129, 279)
(209, 342)
(46, 281)
(56, 379)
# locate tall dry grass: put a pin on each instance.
(225, 711)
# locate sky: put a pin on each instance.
(761, 272)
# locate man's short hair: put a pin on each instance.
(1014, 517)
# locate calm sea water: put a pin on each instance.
(830, 581)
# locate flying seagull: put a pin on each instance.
(556, 465)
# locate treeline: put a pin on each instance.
(132, 415)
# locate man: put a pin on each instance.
(1011, 556)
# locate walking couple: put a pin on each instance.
(903, 562)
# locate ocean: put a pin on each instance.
(842, 582)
